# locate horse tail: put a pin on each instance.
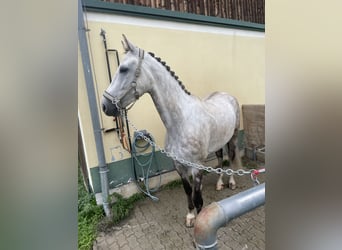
(237, 112)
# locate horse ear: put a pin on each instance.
(124, 46)
(128, 46)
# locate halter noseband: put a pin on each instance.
(116, 101)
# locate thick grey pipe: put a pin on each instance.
(218, 214)
(93, 109)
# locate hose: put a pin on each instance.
(138, 151)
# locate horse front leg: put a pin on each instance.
(183, 172)
(197, 198)
(220, 183)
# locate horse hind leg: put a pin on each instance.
(220, 183)
(234, 157)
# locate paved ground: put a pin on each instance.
(160, 225)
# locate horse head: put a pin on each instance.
(129, 82)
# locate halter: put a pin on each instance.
(117, 100)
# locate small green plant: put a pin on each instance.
(123, 207)
(173, 184)
(89, 215)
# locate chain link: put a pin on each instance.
(228, 171)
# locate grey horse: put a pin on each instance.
(194, 127)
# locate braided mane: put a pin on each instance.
(171, 72)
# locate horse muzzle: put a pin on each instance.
(109, 108)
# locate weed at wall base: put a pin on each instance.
(89, 215)
(122, 207)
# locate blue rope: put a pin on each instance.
(138, 150)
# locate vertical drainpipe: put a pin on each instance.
(218, 214)
(103, 169)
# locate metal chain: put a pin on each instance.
(228, 171)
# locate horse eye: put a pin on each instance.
(123, 69)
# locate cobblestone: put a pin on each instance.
(121, 240)
(161, 225)
(110, 239)
(125, 247)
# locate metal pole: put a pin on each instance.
(218, 214)
(93, 109)
(103, 34)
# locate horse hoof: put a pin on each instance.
(219, 184)
(190, 224)
(190, 220)
(232, 186)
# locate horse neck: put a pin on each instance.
(169, 98)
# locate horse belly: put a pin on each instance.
(220, 138)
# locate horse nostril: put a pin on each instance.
(104, 108)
